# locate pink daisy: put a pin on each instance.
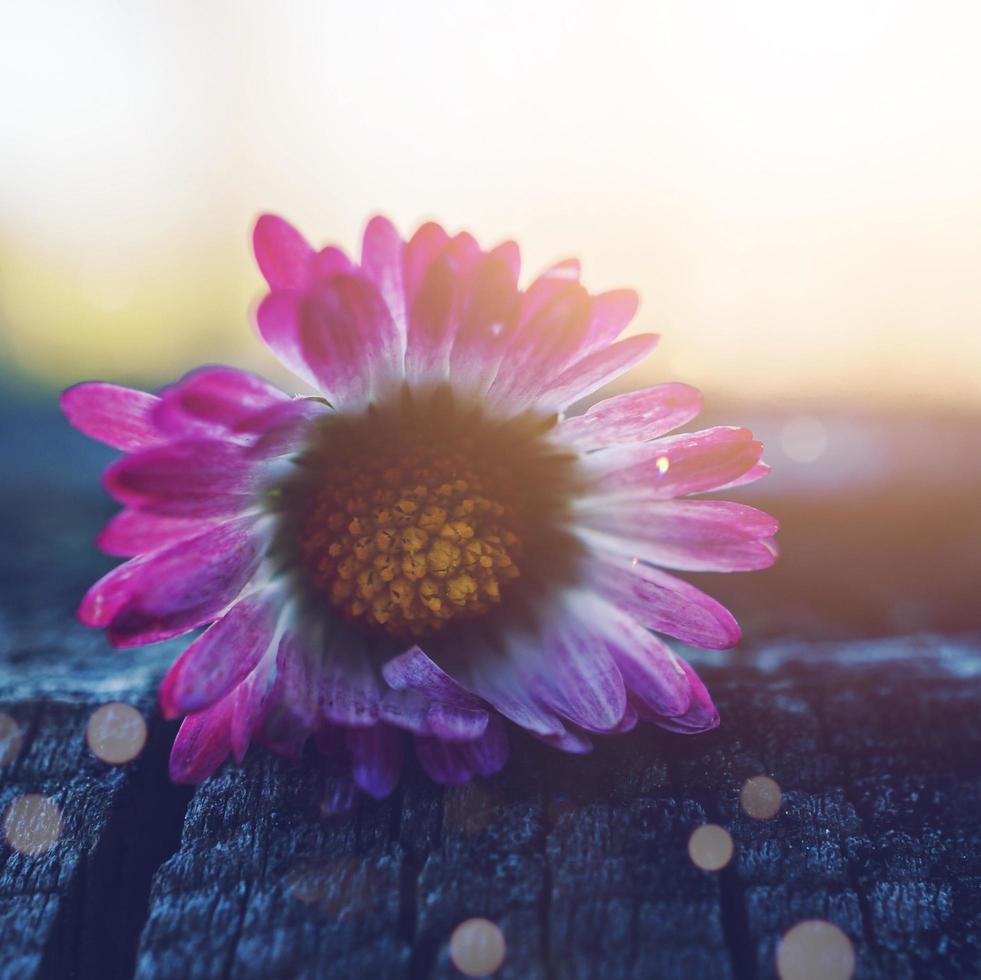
(426, 547)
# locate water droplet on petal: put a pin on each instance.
(663, 464)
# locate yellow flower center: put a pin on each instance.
(409, 535)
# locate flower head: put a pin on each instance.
(425, 545)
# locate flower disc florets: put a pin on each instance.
(409, 519)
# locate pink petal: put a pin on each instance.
(490, 305)
(433, 321)
(676, 465)
(221, 657)
(382, 257)
(203, 743)
(119, 417)
(349, 340)
(186, 479)
(608, 318)
(252, 700)
(638, 416)
(214, 401)
(283, 254)
(330, 262)
(170, 592)
(376, 758)
(595, 370)
(757, 472)
(695, 535)
(664, 603)
(278, 318)
(289, 714)
(538, 351)
(420, 252)
(136, 532)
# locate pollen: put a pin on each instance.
(408, 535)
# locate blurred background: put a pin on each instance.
(794, 189)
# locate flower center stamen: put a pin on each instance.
(409, 535)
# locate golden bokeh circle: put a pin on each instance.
(116, 733)
(761, 797)
(477, 947)
(710, 847)
(815, 950)
(32, 824)
(11, 739)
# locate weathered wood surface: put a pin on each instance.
(582, 861)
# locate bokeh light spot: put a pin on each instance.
(11, 739)
(804, 439)
(116, 733)
(663, 464)
(815, 950)
(710, 847)
(32, 824)
(760, 797)
(477, 947)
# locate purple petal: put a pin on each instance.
(653, 675)
(757, 472)
(664, 603)
(283, 254)
(701, 716)
(119, 417)
(575, 675)
(414, 670)
(252, 700)
(376, 758)
(638, 416)
(452, 723)
(221, 657)
(456, 763)
(568, 741)
(348, 688)
(278, 318)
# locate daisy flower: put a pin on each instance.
(424, 547)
